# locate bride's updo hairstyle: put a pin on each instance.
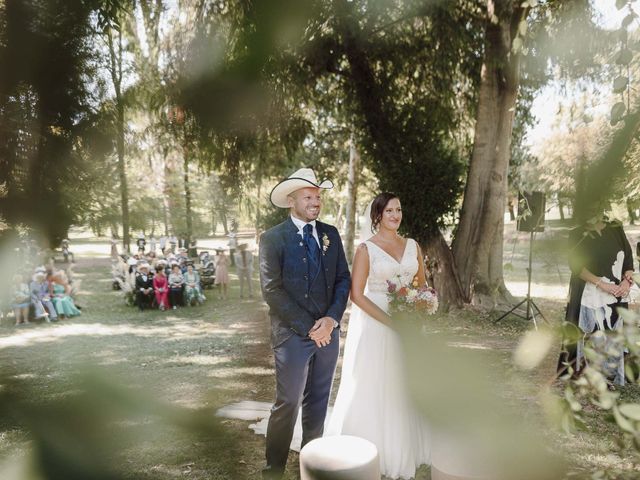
(377, 208)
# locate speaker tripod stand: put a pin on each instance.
(531, 307)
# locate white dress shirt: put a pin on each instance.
(300, 224)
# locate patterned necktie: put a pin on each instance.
(312, 245)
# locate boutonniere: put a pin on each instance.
(325, 243)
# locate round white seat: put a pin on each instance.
(340, 457)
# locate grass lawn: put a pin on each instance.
(178, 367)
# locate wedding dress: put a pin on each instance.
(372, 400)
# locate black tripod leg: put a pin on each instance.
(510, 311)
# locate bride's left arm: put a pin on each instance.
(420, 275)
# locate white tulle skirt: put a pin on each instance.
(372, 400)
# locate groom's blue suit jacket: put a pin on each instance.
(284, 276)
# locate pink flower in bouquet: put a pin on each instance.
(391, 287)
(403, 292)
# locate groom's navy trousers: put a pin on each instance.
(299, 293)
(303, 378)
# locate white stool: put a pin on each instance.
(341, 457)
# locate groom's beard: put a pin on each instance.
(307, 214)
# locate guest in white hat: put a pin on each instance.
(144, 287)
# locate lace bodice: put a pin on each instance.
(383, 267)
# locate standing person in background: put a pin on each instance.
(142, 243)
(222, 272)
(163, 244)
(152, 244)
(173, 243)
(66, 251)
(193, 248)
(244, 267)
(114, 249)
(601, 264)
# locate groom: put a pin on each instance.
(305, 281)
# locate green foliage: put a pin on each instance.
(588, 391)
(45, 59)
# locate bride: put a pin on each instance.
(372, 400)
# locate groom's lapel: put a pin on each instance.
(321, 232)
(294, 240)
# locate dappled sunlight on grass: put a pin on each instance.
(240, 371)
(57, 333)
(203, 360)
(553, 291)
(471, 346)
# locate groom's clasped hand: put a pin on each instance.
(321, 331)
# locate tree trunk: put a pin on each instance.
(352, 195)
(187, 194)
(223, 218)
(339, 216)
(166, 172)
(561, 208)
(478, 241)
(116, 77)
(581, 186)
(441, 273)
(631, 212)
(258, 223)
(114, 231)
(122, 171)
(512, 211)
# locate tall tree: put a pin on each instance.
(477, 246)
(46, 100)
(352, 193)
(111, 22)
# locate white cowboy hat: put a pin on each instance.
(303, 178)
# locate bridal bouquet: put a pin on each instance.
(412, 299)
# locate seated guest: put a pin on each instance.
(41, 297)
(192, 290)
(161, 287)
(61, 299)
(21, 300)
(144, 287)
(176, 286)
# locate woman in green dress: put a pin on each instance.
(62, 302)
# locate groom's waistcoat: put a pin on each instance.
(298, 293)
